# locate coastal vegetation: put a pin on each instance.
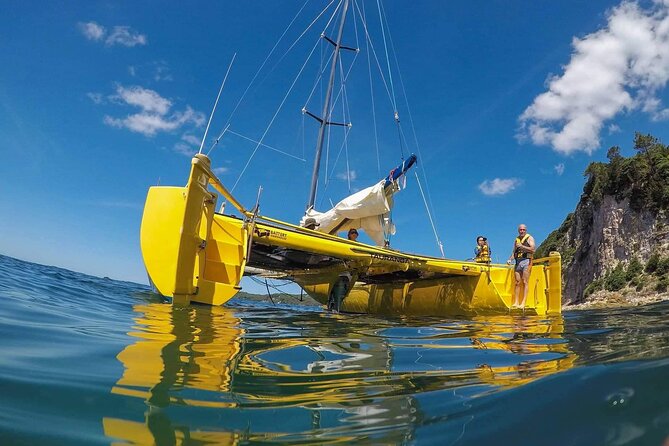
(653, 276)
(642, 178)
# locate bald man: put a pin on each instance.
(523, 250)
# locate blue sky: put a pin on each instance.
(510, 100)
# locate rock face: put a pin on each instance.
(620, 224)
(597, 237)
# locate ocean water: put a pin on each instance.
(87, 361)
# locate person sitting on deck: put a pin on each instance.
(353, 234)
(482, 250)
(311, 223)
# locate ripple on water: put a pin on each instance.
(88, 360)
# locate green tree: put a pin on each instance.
(651, 264)
(613, 153)
(644, 142)
(633, 269)
(662, 267)
(615, 280)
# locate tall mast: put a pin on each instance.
(326, 107)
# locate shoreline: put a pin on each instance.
(617, 299)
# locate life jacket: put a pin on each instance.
(482, 253)
(518, 254)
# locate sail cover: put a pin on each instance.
(368, 209)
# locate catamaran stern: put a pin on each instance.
(188, 255)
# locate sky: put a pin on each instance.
(504, 102)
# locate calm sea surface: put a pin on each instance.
(87, 361)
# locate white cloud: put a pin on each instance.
(185, 149)
(499, 186)
(124, 35)
(155, 113)
(559, 169)
(97, 98)
(119, 35)
(161, 71)
(619, 68)
(91, 30)
(191, 139)
(351, 174)
(221, 170)
(149, 124)
(613, 128)
(188, 145)
(132, 70)
(147, 100)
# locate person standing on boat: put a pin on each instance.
(353, 234)
(482, 250)
(523, 250)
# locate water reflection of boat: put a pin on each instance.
(525, 330)
(196, 372)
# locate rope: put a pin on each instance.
(276, 287)
(429, 215)
(268, 293)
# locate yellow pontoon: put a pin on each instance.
(192, 253)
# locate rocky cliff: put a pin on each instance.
(616, 242)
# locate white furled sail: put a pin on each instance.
(368, 209)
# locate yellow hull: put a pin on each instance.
(192, 253)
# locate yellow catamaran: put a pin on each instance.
(194, 254)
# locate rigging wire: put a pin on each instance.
(371, 91)
(301, 35)
(258, 72)
(411, 121)
(376, 58)
(429, 215)
(319, 78)
(385, 46)
(341, 92)
(344, 107)
(384, 25)
(274, 117)
(204, 137)
(334, 165)
(267, 146)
